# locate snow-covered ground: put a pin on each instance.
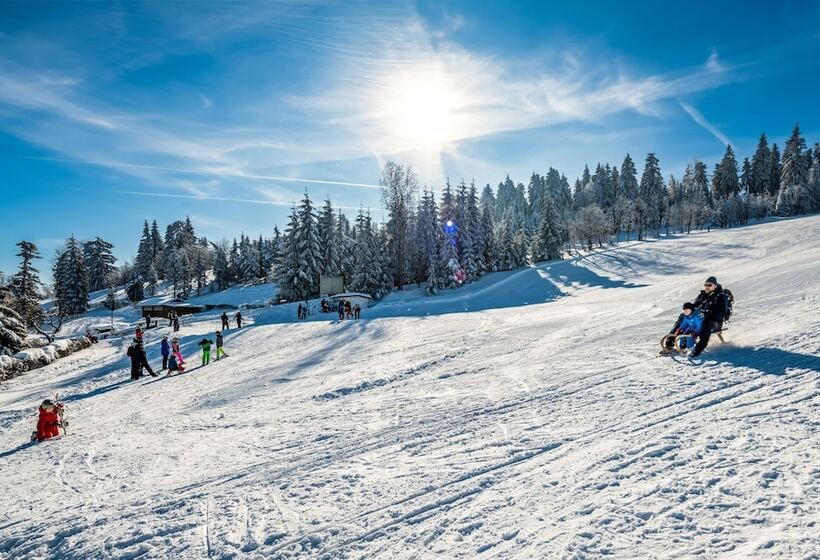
(541, 423)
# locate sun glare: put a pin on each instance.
(420, 110)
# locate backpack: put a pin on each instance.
(730, 299)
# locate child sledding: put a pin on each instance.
(50, 421)
(699, 320)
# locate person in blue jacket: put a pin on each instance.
(165, 348)
(690, 322)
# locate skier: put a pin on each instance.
(299, 315)
(341, 310)
(205, 343)
(165, 348)
(176, 322)
(713, 303)
(177, 353)
(348, 309)
(90, 336)
(357, 311)
(690, 323)
(49, 421)
(238, 318)
(225, 325)
(219, 350)
(138, 334)
(171, 317)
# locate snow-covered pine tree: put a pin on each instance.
(505, 198)
(478, 267)
(157, 249)
(100, 262)
(701, 183)
(487, 247)
(145, 252)
(200, 268)
(310, 253)
(152, 279)
(346, 249)
(653, 193)
(724, 182)
(548, 240)
(367, 271)
(12, 332)
(775, 170)
(759, 172)
(248, 260)
(71, 279)
(262, 261)
(330, 241)
(814, 181)
(222, 269)
(179, 272)
(745, 176)
(399, 187)
(465, 245)
(26, 286)
(794, 196)
(428, 238)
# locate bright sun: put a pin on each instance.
(419, 109)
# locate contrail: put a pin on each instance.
(204, 172)
(203, 197)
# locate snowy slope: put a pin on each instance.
(545, 428)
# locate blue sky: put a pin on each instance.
(111, 113)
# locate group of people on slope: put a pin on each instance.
(345, 308)
(237, 317)
(703, 317)
(172, 359)
(173, 320)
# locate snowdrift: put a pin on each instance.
(525, 416)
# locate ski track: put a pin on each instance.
(549, 430)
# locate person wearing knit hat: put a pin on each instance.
(713, 303)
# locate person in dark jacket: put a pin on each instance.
(165, 348)
(341, 310)
(220, 352)
(712, 302)
(238, 318)
(138, 360)
(225, 325)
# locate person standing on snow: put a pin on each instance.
(165, 349)
(341, 310)
(205, 343)
(220, 352)
(177, 352)
(138, 360)
(238, 318)
(225, 325)
(712, 302)
(138, 333)
(357, 311)
(171, 317)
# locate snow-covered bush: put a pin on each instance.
(33, 358)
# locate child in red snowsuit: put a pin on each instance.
(48, 425)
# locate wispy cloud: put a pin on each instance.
(701, 120)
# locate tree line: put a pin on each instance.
(441, 241)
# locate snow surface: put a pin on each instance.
(539, 424)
